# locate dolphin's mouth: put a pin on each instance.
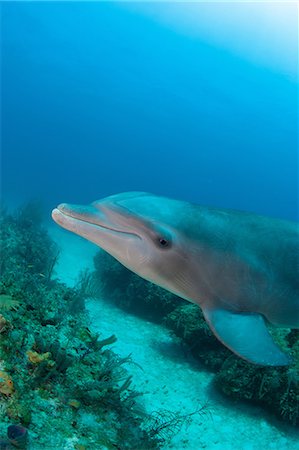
(87, 219)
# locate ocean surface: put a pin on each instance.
(193, 101)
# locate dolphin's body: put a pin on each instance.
(240, 268)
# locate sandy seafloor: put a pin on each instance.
(170, 379)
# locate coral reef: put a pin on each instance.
(276, 389)
(55, 374)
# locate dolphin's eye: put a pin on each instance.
(162, 238)
(163, 242)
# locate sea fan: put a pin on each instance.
(165, 424)
(7, 302)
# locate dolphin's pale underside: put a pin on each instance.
(240, 268)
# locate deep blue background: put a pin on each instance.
(98, 99)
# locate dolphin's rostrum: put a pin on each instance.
(240, 268)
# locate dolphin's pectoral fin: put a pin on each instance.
(247, 336)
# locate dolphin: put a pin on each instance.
(242, 269)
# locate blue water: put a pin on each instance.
(104, 97)
(100, 98)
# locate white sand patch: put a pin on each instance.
(170, 379)
(76, 254)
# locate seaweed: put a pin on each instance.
(7, 302)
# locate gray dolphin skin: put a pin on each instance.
(240, 268)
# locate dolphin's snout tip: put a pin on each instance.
(56, 215)
(58, 212)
